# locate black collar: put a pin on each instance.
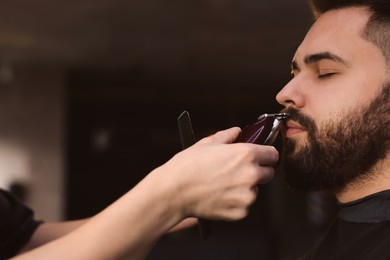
(374, 208)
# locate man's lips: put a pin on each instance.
(293, 128)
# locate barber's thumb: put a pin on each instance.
(222, 137)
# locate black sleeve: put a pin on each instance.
(17, 224)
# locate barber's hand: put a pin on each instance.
(184, 224)
(216, 179)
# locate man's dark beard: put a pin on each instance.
(341, 152)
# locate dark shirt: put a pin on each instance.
(17, 224)
(360, 231)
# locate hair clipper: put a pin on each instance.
(264, 131)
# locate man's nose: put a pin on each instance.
(290, 96)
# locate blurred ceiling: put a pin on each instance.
(158, 51)
(165, 34)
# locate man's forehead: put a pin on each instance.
(336, 31)
(348, 17)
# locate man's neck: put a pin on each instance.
(378, 179)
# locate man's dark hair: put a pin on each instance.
(377, 30)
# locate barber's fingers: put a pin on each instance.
(265, 154)
(239, 205)
(255, 174)
(255, 190)
(222, 137)
(266, 174)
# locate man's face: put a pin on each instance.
(339, 102)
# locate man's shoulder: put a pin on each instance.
(347, 240)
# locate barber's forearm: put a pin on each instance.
(141, 217)
(127, 229)
(50, 231)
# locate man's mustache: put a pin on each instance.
(304, 120)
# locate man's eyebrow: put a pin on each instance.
(313, 58)
(294, 65)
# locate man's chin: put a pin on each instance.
(295, 145)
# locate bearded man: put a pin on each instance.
(338, 134)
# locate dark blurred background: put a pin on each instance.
(90, 92)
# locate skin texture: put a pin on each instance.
(212, 179)
(328, 87)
